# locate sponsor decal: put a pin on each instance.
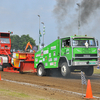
(46, 58)
(53, 47)
(22, 56)
(55, 59)
(50, 59)
(40, 61)
(92, 63)
(45, 64)
(86, 55)
(78, 50)
(55, 63)
(67, 51)
(51, 63)
(37, 55)
(36, 59)
(49, 54)
(94, 50)
(43, 59)
(45, 52)
(41, 52)
(17, 55)
(86, 50)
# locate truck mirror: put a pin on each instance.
(97, 44)
(62, 44)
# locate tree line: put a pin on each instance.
(19, 43)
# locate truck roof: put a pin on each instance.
(5, 32)
(77, 36)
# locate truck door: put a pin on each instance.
(66, 49)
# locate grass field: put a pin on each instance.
(96, 71)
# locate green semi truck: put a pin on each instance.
(68, 55)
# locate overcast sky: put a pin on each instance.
(59, 16)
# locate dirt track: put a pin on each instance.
(71, 84)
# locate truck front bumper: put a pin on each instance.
(78, 63)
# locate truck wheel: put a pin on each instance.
(40, 70)
(65, 71)
(1, 68)
(89, 71)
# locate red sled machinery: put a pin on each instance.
(17, 62)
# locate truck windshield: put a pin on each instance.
(81, 42)
(4, 40)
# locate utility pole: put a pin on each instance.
(79, 18)
(43, 33)
(39, 32)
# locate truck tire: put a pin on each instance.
(89, 71)
(65, 70)
(41, 70)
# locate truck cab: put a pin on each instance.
(5, 48)
(79, 53)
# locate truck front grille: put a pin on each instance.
(86, 59)
(85, 55)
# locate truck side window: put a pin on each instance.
(67, 43)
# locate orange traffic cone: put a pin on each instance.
(0, 76)
(89, 91)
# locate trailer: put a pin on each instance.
(22, 62)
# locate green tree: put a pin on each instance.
(19, 43)
(15, 42)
